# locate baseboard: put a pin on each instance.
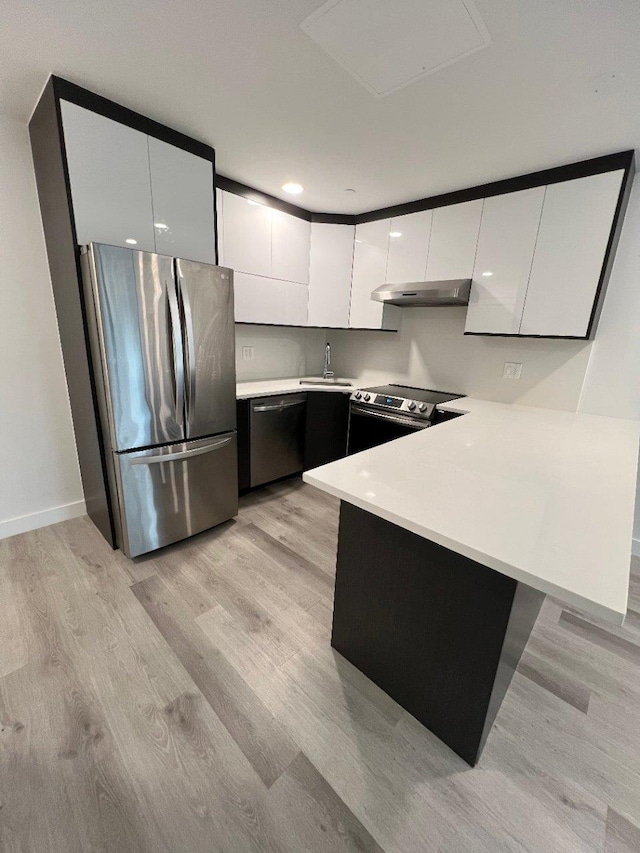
(635, 547)
(13, 526)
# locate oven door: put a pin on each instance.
(371, 427)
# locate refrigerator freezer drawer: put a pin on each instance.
(169, 493)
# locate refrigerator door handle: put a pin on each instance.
(189, 350)
(177, 358)
(181, 454)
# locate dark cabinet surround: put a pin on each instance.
(326, 425)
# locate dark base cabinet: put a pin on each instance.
(438, 632)
(327, 427)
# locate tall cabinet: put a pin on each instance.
(107, 174)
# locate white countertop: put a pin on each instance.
(271, 387)
(545, 497)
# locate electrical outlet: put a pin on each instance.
(247, 353)
(512, 370)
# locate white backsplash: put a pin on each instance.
(279, 352)
(431, 351)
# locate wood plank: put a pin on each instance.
(544, 676)
(623, 836)
(262, 739)
(603, 637)
(326, 823)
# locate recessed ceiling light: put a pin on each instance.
(293, 188)
(161, 226)
(395, 233)
(487, 273)
(131, 241)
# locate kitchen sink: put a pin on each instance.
(342, 382)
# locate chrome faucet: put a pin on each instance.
(327, 373)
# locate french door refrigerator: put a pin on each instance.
(162, 339)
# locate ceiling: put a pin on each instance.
(245, 78)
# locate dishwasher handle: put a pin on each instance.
(277, 407)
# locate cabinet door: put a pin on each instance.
(182, 193)
(290, 246)
(330, 274)
(326, 428)
(577, 217)
(247, 235)
(503, 261)
(294, 299)
(454, 239)
(254, 299)
(369, 268)
(219, 226)
(263, 300)
(408, 247)
(109, 174)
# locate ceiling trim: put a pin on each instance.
(67, 91)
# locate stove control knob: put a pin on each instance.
(423, 407)
(367, 397)
(358, 395)
(411, 405)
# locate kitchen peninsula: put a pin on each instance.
(450, 539)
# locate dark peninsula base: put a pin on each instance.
(438, 632)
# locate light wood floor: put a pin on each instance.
(191, 702)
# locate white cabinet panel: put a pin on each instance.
(454, 239)
(503, 261)
(254, 299)
(290, 246)
(259, 299)
(574, 231)
(182, 195)
(369, 267)
(109, 175)
(247, 235)
(295, 302)
(219, 226)
(330, 274)
(408, 247)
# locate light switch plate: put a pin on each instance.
(247, 353)
(512, 370)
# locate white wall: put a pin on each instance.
(39, 475)
(612, 382)
(279, 352)
(431, 351)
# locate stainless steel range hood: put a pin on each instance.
(425, 293)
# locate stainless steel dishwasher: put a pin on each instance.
(277, 428)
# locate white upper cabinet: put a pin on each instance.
(109, 174)
(246, 239)
(220, 229)
(574, 232)
(290, 247)
(182, 195)
(408, 247)
(330, 274)
(369, 269)
(454, 239)
(259, 299)
(129, 189)
(503, 261)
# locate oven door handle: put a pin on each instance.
(408, 422)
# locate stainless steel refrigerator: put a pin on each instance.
(162, 339)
